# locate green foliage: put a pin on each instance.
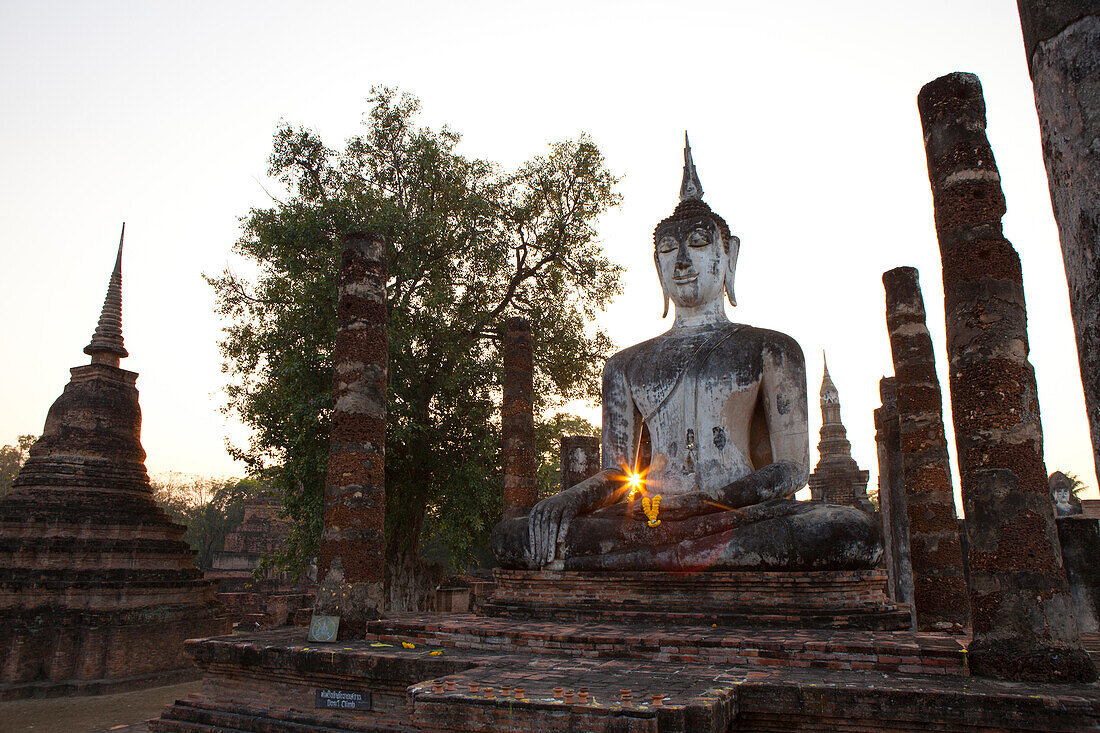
(209, 508)
(1077, 486)
(11, 460)
(547, 437)
(467, 245)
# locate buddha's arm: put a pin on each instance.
(549, 519)
(784, 392)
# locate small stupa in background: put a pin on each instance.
(98, 590)
(837, 478)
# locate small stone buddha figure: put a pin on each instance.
(723, 406)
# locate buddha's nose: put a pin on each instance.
(683, 262)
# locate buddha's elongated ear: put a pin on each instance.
(731, 269)
(657, 265)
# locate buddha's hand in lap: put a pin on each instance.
(548, 522)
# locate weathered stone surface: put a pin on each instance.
(580, 459)
(837, 478)
(891, 498)
(1022, 613)
(98, 591)
(1079, 538)
(351, 558)
(939, 586)
(724, 408)
(518, 418)
(252, 597)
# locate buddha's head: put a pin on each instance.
(695, 254)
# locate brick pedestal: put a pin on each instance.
(824, 599)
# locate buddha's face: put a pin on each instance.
(692, 261)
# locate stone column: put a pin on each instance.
(891, 497)
(580, 459)
(1062, 42)
(1023, 618)
(518, 418)
(352, 555)
(939, 586)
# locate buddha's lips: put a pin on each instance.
(685, 280)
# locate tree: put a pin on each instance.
(12, 458)
(209, 508)
(467, 245)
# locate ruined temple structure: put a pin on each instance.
(837, 478)
(261, 531)
(267, 598)
(98, 591)
(677, 637)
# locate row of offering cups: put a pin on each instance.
(560, 693)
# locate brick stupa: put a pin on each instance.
(98, 591)
(836, 479)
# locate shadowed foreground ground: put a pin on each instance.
(123, 712)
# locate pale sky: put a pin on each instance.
(802, 116)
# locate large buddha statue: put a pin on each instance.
(724, 409)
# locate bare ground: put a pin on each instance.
(123, 712)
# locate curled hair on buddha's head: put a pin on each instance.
(690, 209)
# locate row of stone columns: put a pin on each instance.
(1020, 609)
(1022, 617)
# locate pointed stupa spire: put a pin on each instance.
(829, 391)
(106, 345)
(690, 189)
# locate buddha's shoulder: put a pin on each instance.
(732, 339)
(766, 341)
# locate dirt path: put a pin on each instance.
(123, 712)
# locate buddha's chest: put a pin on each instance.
(697, 397)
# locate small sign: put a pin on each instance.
(342, 700)
(323, 628)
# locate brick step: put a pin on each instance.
(185, 716)
(871, 617)
(909, 653)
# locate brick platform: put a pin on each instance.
(671, 643)
(267, 682)
(835, 599)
